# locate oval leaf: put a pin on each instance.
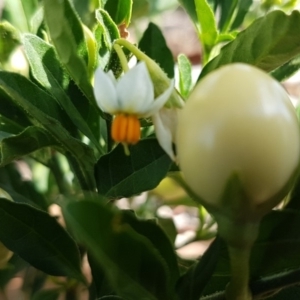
(119, 175)
(268, 43)
(38, 239)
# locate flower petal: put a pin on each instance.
(105, 91)
(165, 123)
(135, 90)
(160, 101)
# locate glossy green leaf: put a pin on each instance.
(193, 282)
(68, 38)
(119, 175)
(208, 30)
(134, 267)
(287, 70)
(38, 239)
(150, 230)
(31, 139)
(43, 108)
(119, 10)
(48, 72)
(185, 75)
(227, 9)
(19, 13)
(100, 285)
(268, 43)
(154, 45)
(243, 7)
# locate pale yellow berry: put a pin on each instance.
(238, 120)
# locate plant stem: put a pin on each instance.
(62, 183)
(238, 288)
(122, 57)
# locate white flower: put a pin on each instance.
(132, 98)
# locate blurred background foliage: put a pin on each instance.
(43, 178)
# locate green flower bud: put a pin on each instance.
(239, 122)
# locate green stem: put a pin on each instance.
(133, 49)
(177, 177)
(62, 183)
(238, 288)
(122, 57)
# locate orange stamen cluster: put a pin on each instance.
(126, 129)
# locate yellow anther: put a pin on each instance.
(126, 129)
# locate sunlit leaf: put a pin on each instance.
(43, 108)
(68, 38)
(268, 43)
(48, 72)
(119, 10)
(208, 30)
(185, 75)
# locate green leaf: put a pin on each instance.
(287, 70)
(12, 118)
(19, 13)
(22, 191)
(185, 75)
(208, 30)
(68, 38)
(38, 239)
(192, 283)
(227, 10)
(269, 269)
(134, 267)
(43, 108)
(100, 285)
(242, 9)
(119, 10)
(119, 175)
(154, 45)
(47, 71)
(268, 43)
(106, 33)
(159, 240)
(108, 27)
(31, 139)
(14, 85)
(190, 7)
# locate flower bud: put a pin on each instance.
(238, 122)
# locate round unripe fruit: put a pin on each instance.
(238, 120)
